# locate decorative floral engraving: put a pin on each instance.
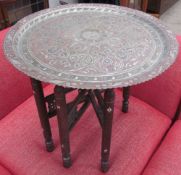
(91, 46)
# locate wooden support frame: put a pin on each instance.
(42, 111)
(109, 97)
(68, 116)
(97, 108)
(62, 117)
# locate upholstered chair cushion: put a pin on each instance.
(163, 92)
(167, 160)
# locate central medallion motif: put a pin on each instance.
(91, 34)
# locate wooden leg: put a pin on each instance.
(144, 5)
(62, 117)
(107, 128)
(42, 111)
(124, 3)
(126, 91)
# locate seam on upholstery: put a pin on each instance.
(177, 113)
(5, 167)
(1, 119)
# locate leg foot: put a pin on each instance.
(49, 146)
(104, 166)
(67, 162)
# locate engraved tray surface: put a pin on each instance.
(91, 46)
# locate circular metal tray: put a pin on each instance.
(91, 46)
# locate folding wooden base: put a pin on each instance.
(68, 114)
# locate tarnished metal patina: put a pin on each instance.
(91, 46)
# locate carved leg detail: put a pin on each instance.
(126, 91)
(43, 115)
(62, 117)
(107, 128)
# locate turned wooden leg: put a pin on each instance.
(107, 128)
(43, 115)
(126, 92)
(144, 5)
(63, 125)
(124, 3)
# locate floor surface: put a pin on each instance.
(172, 18)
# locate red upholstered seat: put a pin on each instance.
(135, 137)
(167, 160)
